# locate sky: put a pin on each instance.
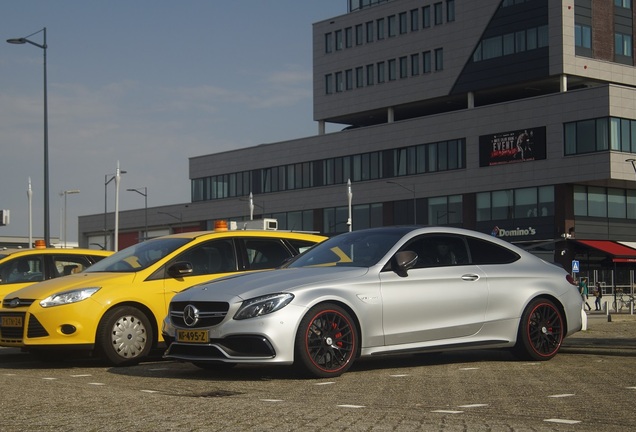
(148, 83)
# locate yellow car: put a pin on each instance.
(23, 267)
(115, 307)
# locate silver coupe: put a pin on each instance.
(376, 292)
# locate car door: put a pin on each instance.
(441, 298)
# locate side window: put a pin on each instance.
(213, 257)
(265, 253)
(484, 252)
(438, 251)
(299, 246)
(68, 264)
(22, 270)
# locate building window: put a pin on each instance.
(602, 134)
(627, 4)
(370, 74)
(439, 17)
(338, 40)
(515, 203)
(427, 62)
(415, 20)
(450, 10)
(369, 27)
(392, 70)
(348, 37)
(349, 79)
(623, 44)
(439, 59)
(583, 36)
(415, 64)
(359, 77)
(601, 202)
(380, 28)
(339, 82)
(426, 16)
(328, 43)
(380, 74)
(328, 84)
(392, 24)
(403, 23)
(445, 210)
(359, 34)
(404, 67)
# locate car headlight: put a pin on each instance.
(263, 305)
(67, 297)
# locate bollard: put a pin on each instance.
(607, 312)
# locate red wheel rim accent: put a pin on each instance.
(330, 341)
(545, 330)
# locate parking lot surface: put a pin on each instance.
(589, 386)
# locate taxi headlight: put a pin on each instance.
(67, 297)
(259, 306)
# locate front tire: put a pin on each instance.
(326, 342)
(541, 331)
(124, 336)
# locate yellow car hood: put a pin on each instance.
(44, 289)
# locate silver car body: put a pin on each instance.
(431, 308)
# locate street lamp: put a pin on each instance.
(43, 46)
(414, 200)
(106, 181)
(30, 198)
(145, 195)
(65, 193)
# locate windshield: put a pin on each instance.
(355, 249)
(139, 256)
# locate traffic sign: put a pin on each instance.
(575, 266)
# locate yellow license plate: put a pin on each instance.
(11, 321)
(192, 336)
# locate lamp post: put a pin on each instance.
(43, 46)
(414, 200)
(106, 181)
(349, 199)
(65, 193)
(30, 198)
(145, 195)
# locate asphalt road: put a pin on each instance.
(589, 386)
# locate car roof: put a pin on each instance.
(247, 233)
(13, 252)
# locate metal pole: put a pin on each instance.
(30, 197)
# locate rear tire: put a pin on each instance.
(327, 341)
(541, 331)
(124, 336)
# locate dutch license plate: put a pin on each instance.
(192, 336)
(11, 321)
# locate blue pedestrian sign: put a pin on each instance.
(575, 266)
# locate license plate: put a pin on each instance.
(11, 321)
(192, 336)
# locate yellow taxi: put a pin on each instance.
(23, 267)
(114, 308)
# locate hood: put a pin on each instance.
(44, 289)
(249, 285)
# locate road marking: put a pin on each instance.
(631, 388)
(97, 384)
(49, 379)
(561, 395)
(351, 406)
(472, 406)
(80, 376)
(325, 383)
(149, 391)
(447, 411)
(469, 368)
(564, 421)
(398, 375)
(272, 400)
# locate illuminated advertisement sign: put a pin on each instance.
(512, 147)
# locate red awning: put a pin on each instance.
(619, 252)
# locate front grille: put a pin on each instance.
(15, 302)
(210, 313)
(11, 334)
(232, 347)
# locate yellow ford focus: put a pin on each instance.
(115, 307)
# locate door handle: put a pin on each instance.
(470, 277)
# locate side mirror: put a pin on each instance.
(179, 269)
(402, 262)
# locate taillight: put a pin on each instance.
(570, 279)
